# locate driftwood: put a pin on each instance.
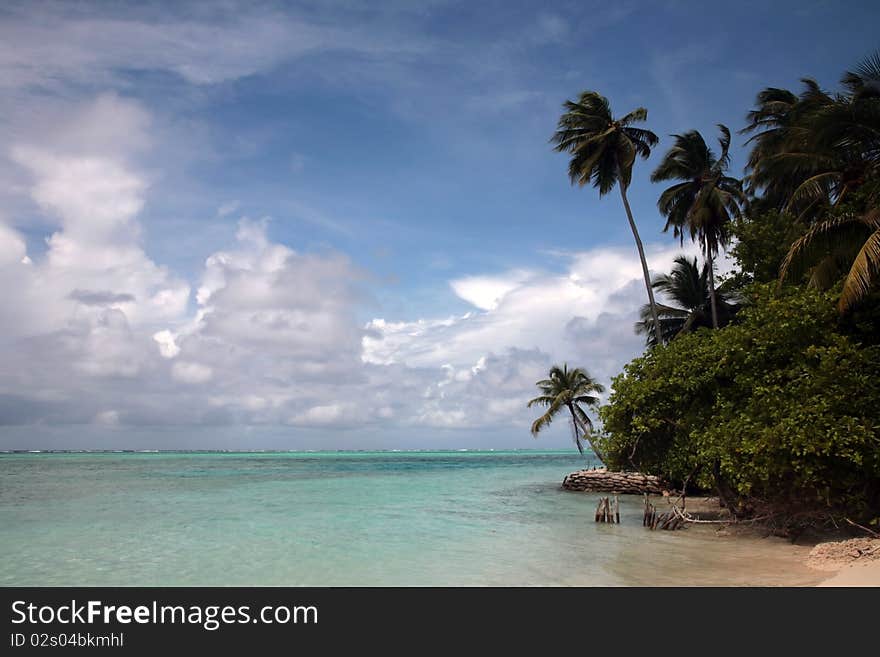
(669, 521)
(684, 516)
(603, 481)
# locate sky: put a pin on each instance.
(340, 225)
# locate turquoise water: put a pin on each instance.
(343, 518)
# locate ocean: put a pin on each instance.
(466, 518)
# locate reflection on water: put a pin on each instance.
(365, 518)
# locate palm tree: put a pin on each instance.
(844, 136)
(688, 287)
(603, 151)
(568, 389)
(704, 201)
(782, 156)
(814, 150)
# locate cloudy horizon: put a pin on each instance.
(325, 226)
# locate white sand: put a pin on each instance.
(855, 562)
(857, 574)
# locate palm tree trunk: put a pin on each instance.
(711, 264)
(635, 231)
(586, 434)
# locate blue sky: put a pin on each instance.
(390, 159)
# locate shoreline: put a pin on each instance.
(841, 562)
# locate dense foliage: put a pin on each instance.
(778, 412)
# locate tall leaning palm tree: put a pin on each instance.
(704, 201)
(566, 389)
(603, 150)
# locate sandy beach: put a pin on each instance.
(853, 562)
(842, 562)
(862, 574)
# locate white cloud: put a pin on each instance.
(228, 208)
(166, 342)
(191, 372)
(94, 260)
(96, 331)
(13, 249)
(485, 292)
(584, 315)
(69, 47)
(327, 414)
(102, 334)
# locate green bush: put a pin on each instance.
(761, 243)
(780, 410)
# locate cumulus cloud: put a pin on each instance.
(97, 332)
(268, 335)
(584, 315)
(486, 292)
(191, 372)
(94, 258)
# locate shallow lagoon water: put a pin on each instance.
(346, 518)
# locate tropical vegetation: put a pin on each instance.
(765, 388)
(570, 390)
(704, 200)
(689, 288)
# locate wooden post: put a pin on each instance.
(616, 510)
(599, 510)
(658, 520)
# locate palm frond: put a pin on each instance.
(638, 115)
(547, 417)
(864, 81)
(816, 188)
(821, 240)
(724, 141)
(863, 274)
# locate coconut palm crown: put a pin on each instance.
(603, 150)
(705, 200)
(566, 389)
(840, 139)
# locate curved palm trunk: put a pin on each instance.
(712, 302)
(574, 419)
(635, 231)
